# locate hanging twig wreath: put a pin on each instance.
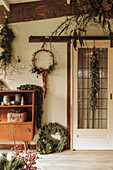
(94, 85)
(45, 144)
(42, 71)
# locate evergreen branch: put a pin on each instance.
(94, 85)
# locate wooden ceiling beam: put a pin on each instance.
(5, 3)
(38, 10)
(68, 1)
(35, 39)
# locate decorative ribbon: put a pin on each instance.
(44, 78)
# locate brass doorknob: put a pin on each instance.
(29, 130)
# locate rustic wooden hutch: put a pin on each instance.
(23, 131)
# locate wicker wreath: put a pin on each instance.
(40, 70)
(45, 145)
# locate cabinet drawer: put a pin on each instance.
(21, 132)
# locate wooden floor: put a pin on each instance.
(74, 160)
(77, 160)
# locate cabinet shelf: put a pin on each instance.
(12, 106)
(16, 123)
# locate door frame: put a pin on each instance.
(95, 132)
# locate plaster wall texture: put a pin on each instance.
(55, 103)
(54, 106)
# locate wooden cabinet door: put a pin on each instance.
(8, 132)
(21, 132)
(27, 132)
(2, 132)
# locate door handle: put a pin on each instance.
(110, 96)
(29, 130)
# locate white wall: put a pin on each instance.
(55, 102)
(54, 107)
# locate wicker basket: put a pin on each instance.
(17, 117)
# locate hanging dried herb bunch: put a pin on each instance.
(6, 38)
(94, 76)
(85, 14)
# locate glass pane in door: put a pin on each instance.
(86, 120)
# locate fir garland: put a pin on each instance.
(39, 71)
(6, 38)
(94, 85)
(38, 101)
(46, 145)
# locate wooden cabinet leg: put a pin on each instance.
(25, 146)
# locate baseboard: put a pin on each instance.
(98, 149)
(9, 146)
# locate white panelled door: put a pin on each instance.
(92, 131)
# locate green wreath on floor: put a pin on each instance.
(46, 144)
